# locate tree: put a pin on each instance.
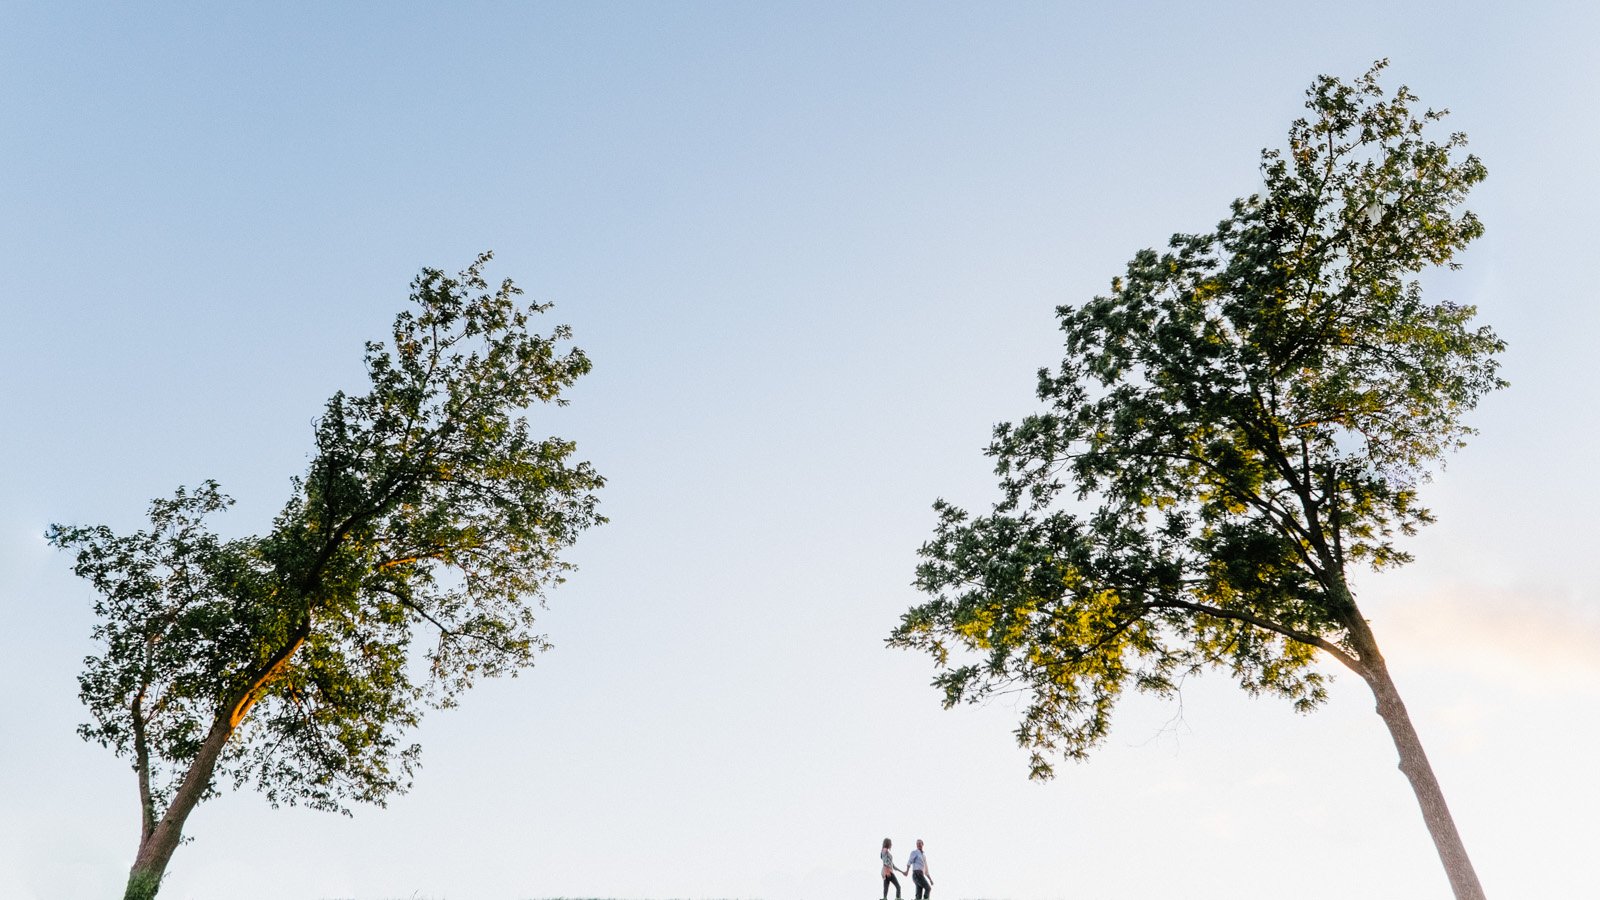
(1241, 421)
(287, 662)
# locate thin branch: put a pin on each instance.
(141, 755)
(444, 630)
(1328, 646)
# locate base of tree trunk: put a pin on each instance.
(142, 885)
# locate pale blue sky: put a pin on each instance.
(814, 252)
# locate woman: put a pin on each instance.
(889, 870)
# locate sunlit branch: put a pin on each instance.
(1323, 644)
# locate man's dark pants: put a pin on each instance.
(924, 889)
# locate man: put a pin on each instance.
(919, 873)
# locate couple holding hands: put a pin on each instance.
(917, 868)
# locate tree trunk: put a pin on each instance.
(1414, 763)
(155, 850)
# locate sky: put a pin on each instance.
(814, 252)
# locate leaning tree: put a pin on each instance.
(406, 565)
(1240, 424)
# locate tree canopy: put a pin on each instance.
(407, 564)
(1239, 422)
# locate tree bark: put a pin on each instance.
(1414, 763)
(155, 851)
(141, 764)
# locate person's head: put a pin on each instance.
(919, 843)
(886, 843)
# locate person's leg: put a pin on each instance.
(896, 887)
(923, 888)
(885, 887)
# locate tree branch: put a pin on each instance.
(1323, 644)
(141, 755)
(274, 666)
(444, 630)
